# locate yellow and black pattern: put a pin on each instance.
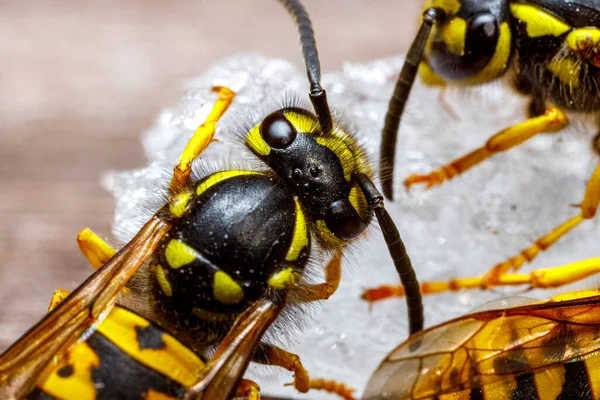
(556, 44)
(238, 233)
(545, 351)
(126, 358)
(321, 169)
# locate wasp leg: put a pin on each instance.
(545, 278)
(553, 120)
(322, 291)
(200, 140)
(272, 355)
(57, 297)
(333, 387)
(94, 249)
(588, 206)
(248, 389)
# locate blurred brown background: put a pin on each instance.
(80, 81)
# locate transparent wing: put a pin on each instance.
(487, 347)
(77, 315)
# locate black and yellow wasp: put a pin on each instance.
(547, 350)
(548, 49)
(207, 275)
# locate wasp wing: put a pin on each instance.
(488, 347)
(220, 378)
(77, 315)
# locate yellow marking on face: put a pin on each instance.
(79, 384)
(567, 70)
(301, 122)
(179, 203)
(450, 7)
(358, 201)
(583, 38)
(256, 142)
(498, 62)
(163, 283)
(219, 177)
(179, 254)
(300, 237)
(282, 280)
(539, 22)
(454, 35)
(226, 290)
(429, 77)
(592, 366)
(343, 153)
(174, 360)
(328, 239)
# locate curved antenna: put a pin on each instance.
(398, 101)
(318, 97)
(408, 277)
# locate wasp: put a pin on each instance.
(544, 350)
(215, 265)
(547, 50)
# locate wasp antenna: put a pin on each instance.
(398, 101)
(318, 97)
(408, 277)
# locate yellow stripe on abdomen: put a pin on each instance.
(171, 359)
(592, 365)
(549, 382)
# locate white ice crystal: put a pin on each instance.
(461, 228)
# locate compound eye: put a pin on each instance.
(343, 220)
(482, 34)
(277, 131)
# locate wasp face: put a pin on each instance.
(318, 168)
(472, 42)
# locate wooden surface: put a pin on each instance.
(79, 83)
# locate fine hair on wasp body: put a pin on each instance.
(548, 51)
(216, 264)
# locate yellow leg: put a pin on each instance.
(322, 291)
(58, 296)
(291, 362)
(248, 389)
(94, 249)
(588, 206)
(539, 279)
(333, 387)
(552, 121)
(199, 141)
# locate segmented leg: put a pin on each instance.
(274, 355)
(552, 121)
(200, 140)
(322, 291)
(545, 278)
(588, 206)
(94, 249)
(248, 389)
